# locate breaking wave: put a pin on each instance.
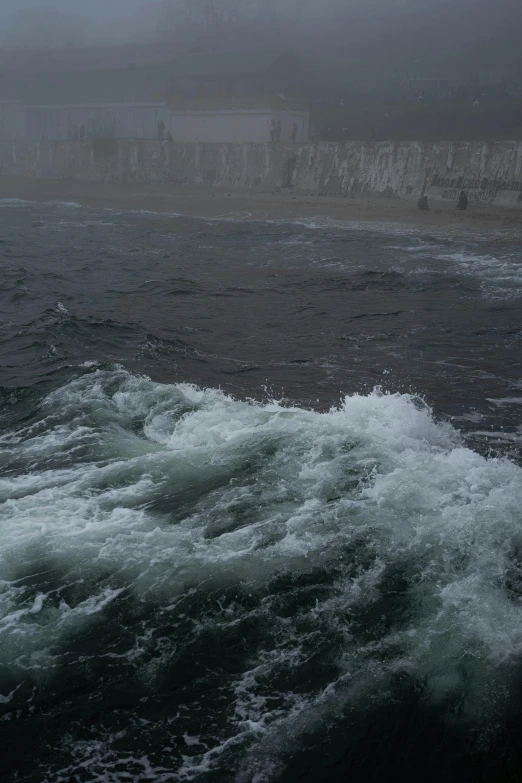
(212, 581)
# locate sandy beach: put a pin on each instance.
(206, 202)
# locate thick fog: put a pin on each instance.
(74, 22)
(360, 38)
(94, 9)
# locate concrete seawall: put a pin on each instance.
(489, 172)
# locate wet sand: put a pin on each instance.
(207, 202)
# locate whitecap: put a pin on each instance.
(155, 494)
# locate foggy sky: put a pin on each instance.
(438, 34)
(100, 10)
(92, 9)
(110, 10)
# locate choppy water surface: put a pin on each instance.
(261, 500)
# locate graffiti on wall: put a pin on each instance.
(479, 189)
(473, 195)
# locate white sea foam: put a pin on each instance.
(16, 202)
(163, 490)
(501, 276)
(505, 401)
(67, 204)
(154, 213)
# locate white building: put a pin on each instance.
(134, 91)
(236, 125)
(62, 122)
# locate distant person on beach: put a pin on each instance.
(170, 138)
(76, 133)
(293, 137)
(272, 130)
(463, 202)
(422, 203)
(161, 130)
(278, 131)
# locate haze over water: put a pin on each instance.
(262, 499)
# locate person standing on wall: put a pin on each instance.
(278, 131)
(161, 130)
(272, 130)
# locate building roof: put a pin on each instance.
(234, 64)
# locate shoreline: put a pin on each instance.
(207, 202)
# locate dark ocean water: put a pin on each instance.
(261, 493)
